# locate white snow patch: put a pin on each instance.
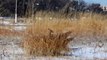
(90, 52)
(19, 28)
(5, 22)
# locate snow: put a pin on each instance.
(19, 28)
(90, 52)
(5, 22)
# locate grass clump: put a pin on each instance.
(47, 45)
(49, 37)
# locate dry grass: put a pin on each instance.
(47, 45)
(5, 32)
(90, 27)
(8, 32)
(40, 40)
(49, 37)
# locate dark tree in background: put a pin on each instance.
(96, 8)
(7, 7)
(30, 7)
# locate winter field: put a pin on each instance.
(54, 37)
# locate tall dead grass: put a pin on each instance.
(47, 45)
(50, 37)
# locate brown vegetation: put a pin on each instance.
(50, 34)
(47, 45)
(49, 37)
(8, 32)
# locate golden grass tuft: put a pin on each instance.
(47, 45)
(49, 37)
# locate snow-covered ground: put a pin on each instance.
(82, 48)
(89, 47)
(16, 26)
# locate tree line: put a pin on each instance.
(7, 7)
